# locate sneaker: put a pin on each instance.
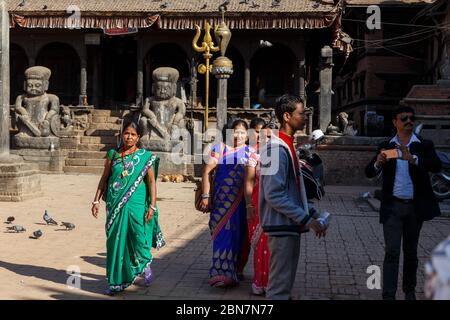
(148, 276)
(109, 292)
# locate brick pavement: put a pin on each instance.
(330, 268)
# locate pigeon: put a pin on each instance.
(254, 5)
(37, 234)
(164, 5)
(10, 219)
(276, 3)
(48, 219)
(17, 229)
(68, 225)
(204, 6)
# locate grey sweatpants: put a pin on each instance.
(284, 254)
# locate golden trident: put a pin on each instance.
(207, 47)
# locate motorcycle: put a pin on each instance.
(312, 166)
(440, 182)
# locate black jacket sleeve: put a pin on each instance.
(370, 169)
(429, 160)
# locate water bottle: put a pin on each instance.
(324, 219)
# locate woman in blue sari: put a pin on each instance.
(228, 220)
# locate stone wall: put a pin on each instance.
(344, 165)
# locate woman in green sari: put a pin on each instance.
(128, 185)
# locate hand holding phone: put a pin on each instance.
(391, 154)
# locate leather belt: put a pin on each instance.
(405, 201)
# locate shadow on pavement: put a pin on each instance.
(56, 276)
(96, 261)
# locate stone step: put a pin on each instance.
(99, 132)
(85, 162)
(99, 139)
(105, 126)
(96, 147)
(83, 169)
(105, 119)
(87, 154)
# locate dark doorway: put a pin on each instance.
(119, 71)
(19, 63)
(272, 70)
(166, 55)
(64, 63)
(236, 82)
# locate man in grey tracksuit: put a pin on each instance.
(283, 214)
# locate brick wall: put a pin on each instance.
(344, 165)
(431, 109)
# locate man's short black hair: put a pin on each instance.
(257, 122)
(403, 109)
(287, 103)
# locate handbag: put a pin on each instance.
(198, 190)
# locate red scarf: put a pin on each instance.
(289, 140)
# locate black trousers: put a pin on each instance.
(402, 224)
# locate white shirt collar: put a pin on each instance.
(411, 140)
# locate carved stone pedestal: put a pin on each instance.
(46, 161)
(24, 141)
(170, 165)
(158, 145)
(18, 181)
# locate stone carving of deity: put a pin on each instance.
(163, 113)
(37, 112)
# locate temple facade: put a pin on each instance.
(103, 53)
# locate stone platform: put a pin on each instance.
(19, 181)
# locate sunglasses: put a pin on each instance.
(405, 118)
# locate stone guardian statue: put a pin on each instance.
(37, 111)
(163, 113)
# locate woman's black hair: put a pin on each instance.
(132, 124)
(257, 122)
(239, 122)
(270, 125)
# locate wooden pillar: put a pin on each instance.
(247, 75)
(140, 73)
(326, 79)
(83, 76)
(301, 78)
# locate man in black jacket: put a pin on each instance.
(407, 199)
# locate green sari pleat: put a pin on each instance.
(129, 237)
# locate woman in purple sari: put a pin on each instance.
(228, 218)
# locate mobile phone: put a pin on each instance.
(391, 154)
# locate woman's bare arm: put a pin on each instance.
(101, 188)
(151, 184)
(249, 183)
